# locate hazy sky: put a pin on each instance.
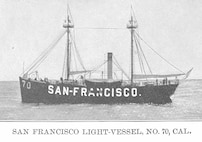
(171, 27)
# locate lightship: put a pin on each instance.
(136, 88)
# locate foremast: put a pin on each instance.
(68, 25)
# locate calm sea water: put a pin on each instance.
(186, 105)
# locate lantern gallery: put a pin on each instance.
(94, 92)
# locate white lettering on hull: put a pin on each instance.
(83, 91)
(92, 92)
(58, 91)
(50, 89)
(75, 91)
(65, 91)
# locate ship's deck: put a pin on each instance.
(157, 82)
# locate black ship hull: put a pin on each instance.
(33, 91)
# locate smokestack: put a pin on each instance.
(109, 65)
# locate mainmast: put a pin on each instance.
(132, 26)
(68, 25)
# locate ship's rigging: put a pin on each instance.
(146, 71)
(78, 86)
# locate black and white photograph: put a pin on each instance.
(100, 60)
